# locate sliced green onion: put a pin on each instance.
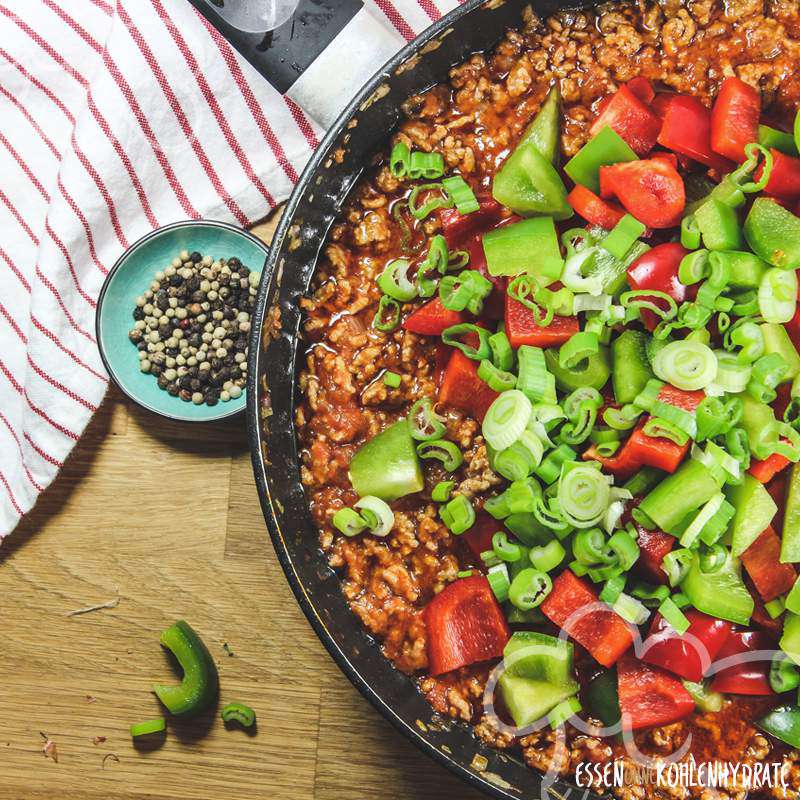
(349, 522)
(506, 419)
(584, 495)
(660, 428)
(439, 199)
(777, 295)
(676, 564)
(704, 698)
(623, 236)
(564, 711)
(690, 234)
(521, 496)
(529, 589)
(392, 379)
(497, 576)
(579, 346)
(521, 458)
(693, 267)
(549, 514)
(505, 550)
(732, 375)
(387, 317)
(648, 397)
(576, 265)
(637, 299)
(687, 365)
(692, 533)
(749, 337)
(713, 559)
(581, 408)
(394, 281)
(740, 177)
(622, 419)
(631, 609)
(613, 589)
(502, 354)
(442, 450)
(465, 291)
(674, 616)
(425, 424)
(533, 379)
(784, 674)
(377, 513)
(625, 547)
(550, 468)
(590, 548)
(650, 595)
(547, 557)
(458, 515)
(497, 379)
(425, 165)
(451, 336)
(460, 194)
(442, 491)
(399, 160)
(149, 727)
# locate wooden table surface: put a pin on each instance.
(165, 517)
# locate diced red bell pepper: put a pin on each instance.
(687, 130)
(784, 180)
(658, 269)
(734, 118)
(462, 388)
(638, 451)
(653, 546)
(628, 116)
(458, 227)
(521, 327)
(594, 209)
(762, 560)
(493, 305)
(744, 677)
(766, 469)
(689, 656)
(479, 537)
(432, 318)
(642, 88)
(660, 103)
(600, 631)
(680, 398)
(651, 190)
(465, 625)
(441, 358)
(650, 697)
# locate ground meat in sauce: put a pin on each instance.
(474, 121)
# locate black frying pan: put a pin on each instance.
(361, 130)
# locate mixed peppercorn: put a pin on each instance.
(192, 326)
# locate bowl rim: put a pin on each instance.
(142, 240)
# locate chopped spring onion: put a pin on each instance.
(425, 424)
(521, 496)
(581, 408)
(379, 517)
(590, 547)
(458, 515)
(631, 609)
(747, 335)
(742, 174)
(660, 428)
(392, 379)
(506, 419)
(521, 458)
(613, 589)
(399, 160)
(387, 317)
(465, 291)
(550, 468)
(784, 674)
(674, 616)
(685, 364)
(624, 545)
(548, 513)
(583, 494)
(573, 275)
(442, 491)
(497, 576)
(676, 564)
(692, 533)
(502, 353)
(529, 589)
(579, 346)
(690, 234)
(547, 557)
(442, 450)
(451, 336)
(460, 194)
(623, 236)
(713, 559)
(425, 165)
(732, 375)
(588, 302)
(349, 522)
(497, 379)
(777, 295)
(436, 198)
(650, 595)
(622, 419)
(715, 417)
(564, 711)
(505, 550)
(639, 299)
(533, 379)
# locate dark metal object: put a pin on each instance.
(317, 199)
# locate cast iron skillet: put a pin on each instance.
(276, 353)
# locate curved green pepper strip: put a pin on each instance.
(200, 684)
(784, 724)
(148, 727)
(593, 371)
(239, 712)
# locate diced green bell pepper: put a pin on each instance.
(719, 226)
(771, 137)
(602, 698)
(790, 641)
(538, 656)
(773, 233)
(746, 269)
(542, 133)
(776, 340)
(528, 529)
(783, 723)
(605, 148)
(704, 698)
(758, 421)
(387, 466)
(530, 245)
(592, 371)
(530, 185)
(630, 367)
(755, 509)
(692, 485)
(200, 684)
(528, 700)
(720, 594)
(790, 539)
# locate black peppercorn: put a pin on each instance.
(212, 397)
(195, 257)
(162, 382)
(138, 313)
(185, 395)
(175, 280)
(195, 385)
(184, 381)
(234, 263)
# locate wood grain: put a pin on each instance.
(166, 518)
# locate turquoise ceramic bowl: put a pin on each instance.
(131, 276)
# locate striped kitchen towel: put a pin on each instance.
(119, 117)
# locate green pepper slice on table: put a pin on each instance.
(239, 712)
(200, 684)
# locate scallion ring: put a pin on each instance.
(685, 364)
(584, 495)
(379, 517)
(506, 419)
(529, 589)
(442, 450)
(451, 336)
